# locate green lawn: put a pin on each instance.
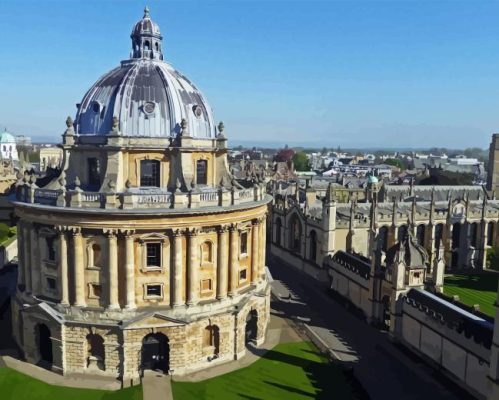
(17, 386)
(474, 289)
(289, 371)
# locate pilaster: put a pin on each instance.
(193, 271)
(222, 262)
(112, 243)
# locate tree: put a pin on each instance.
(395, 162)
(441, 177)
(300, 161)
(284, 155)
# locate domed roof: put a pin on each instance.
(146, 94)
(372, 179)
(145, 26)
(6, 137)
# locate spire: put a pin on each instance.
(146, 12)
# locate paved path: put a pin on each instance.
(156, 386)
(382, 368)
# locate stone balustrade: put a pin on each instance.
(137, 198)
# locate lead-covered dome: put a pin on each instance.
(147, 95)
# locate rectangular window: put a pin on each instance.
(244, 242)
(242, 275)
(201, 172)
(153, 290)
(51, 284)
(153, 254)
(206, 285)
(95, 291)
(49, 240)
(93, 172)
(149, 173)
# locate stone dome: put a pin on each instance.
(6, 137)
(147, 95)
(146, 26)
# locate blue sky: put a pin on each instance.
(355, 73)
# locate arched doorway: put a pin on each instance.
(44, 344)
(155, 352)
(251, 326)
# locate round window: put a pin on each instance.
(96, 106)
(149, 107)
(198, 111)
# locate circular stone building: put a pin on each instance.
(145, 253)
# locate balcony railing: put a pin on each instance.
(139, 197)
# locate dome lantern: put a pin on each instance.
(146, 39)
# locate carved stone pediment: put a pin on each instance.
(154, 320)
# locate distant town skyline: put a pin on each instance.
(357, 74)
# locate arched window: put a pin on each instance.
(456, 235)
(97, 255)
(472, 233)
(313, 246)
(439, 232)
(149, 173)
(49, 241)
(278, 231)
(211, 338)
(383, 238)
(201, 172)
(96, 351)
(207, 252)
(490, 234)
(295, 235)
(157, 46)
(244, 242)
(147, 45)
(420, 234)
(402, 232)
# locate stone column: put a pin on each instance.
(263, 246)
(27, 261)
(178, 273)
(63, 266)
(79, 272)
(36, 267)
(234, 264)
(112, 244)
(256, 258)
(193, 257)
(222, 262)
(130, 269)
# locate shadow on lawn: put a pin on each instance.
(484, 281)
(329, 381)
